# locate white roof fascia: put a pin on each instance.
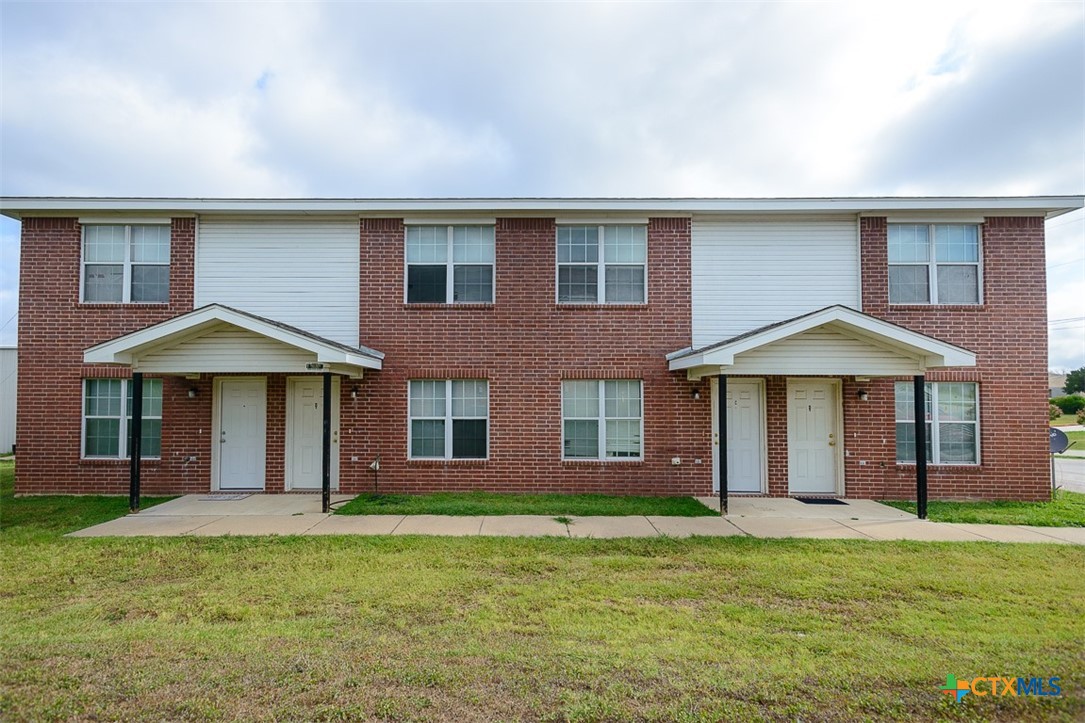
(122, 349)
(935, 353)
(1049, 206)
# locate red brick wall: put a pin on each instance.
(525, 344)
(54, 330)
(1008, 334)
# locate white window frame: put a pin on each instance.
(601, 418)
(448, 419)
(122, 447)
(932, 264)
(935, 421)
(126, 265)
(600, 267)
(450, 265)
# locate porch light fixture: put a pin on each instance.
(863, 395)
(192, 392)
(696, 395)
(354, 392)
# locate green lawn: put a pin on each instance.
(1064, 420)
(346, 628)
(1066, 510)
(488, 503)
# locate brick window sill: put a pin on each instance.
(114, 305)
(602, 307)
(600, 462)
(450, 307)
(447, 462)
(108, 462)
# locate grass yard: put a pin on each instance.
(1064, 420)
(1066, 510)
(346, 628)
(489, 503)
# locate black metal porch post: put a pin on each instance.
(920, 390)
(134, 439)
(721, 412)
(326, 457)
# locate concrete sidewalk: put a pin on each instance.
(216, 515)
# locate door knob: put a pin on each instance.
(832, 443)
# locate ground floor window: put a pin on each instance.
(449, 419)
(952, 422)
(601, 419)
(107, 418)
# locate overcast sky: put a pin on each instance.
(734, 99)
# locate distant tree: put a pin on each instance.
(1075, 381)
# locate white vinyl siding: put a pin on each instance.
(226, 348)
(748, 272)
(301, 272)
(952, 422)
(825, 351)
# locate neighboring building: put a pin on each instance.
(1056, 384)
(530, 345)
(8, 386)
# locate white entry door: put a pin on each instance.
(745, 436)
(813, 437)
(241, 431)
(305, 433)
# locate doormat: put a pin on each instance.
(225, 498)
(820, 501)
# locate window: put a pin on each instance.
(952, 416)
(601, 419)
(107, 424)
(936, 263)
(449, 419)
(611, 272)
(450, 264)
(126, 264)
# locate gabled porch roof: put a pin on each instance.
(835, 340)
(221, 339)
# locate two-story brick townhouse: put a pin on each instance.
(535, 344)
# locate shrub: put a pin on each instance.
(1070, 404)
(1054, 412)
(1081, 416)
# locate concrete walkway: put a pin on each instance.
(217, 515)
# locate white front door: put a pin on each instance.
(745, 436)
(241, 430)
(305, 433)
(813, 437)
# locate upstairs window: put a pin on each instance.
(936, 263)
(126, 264)
(449, 419)
(107, 418)
(450, 264)
(602, 264)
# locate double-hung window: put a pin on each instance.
(601, 419)
(952, 422)
(449, 419)
(937, 263)
(107, 418)
(602, 264)
(450, 264)
(126, 264)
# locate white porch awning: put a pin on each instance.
(835, 341)
(219, 339)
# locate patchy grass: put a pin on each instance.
(348, 628)
(1064, 420)
(1066, 510)
(49, 515)
(489, 503)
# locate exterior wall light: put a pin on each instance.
(696, 394)
(192, 392)
(863, 395)
(354, 392)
